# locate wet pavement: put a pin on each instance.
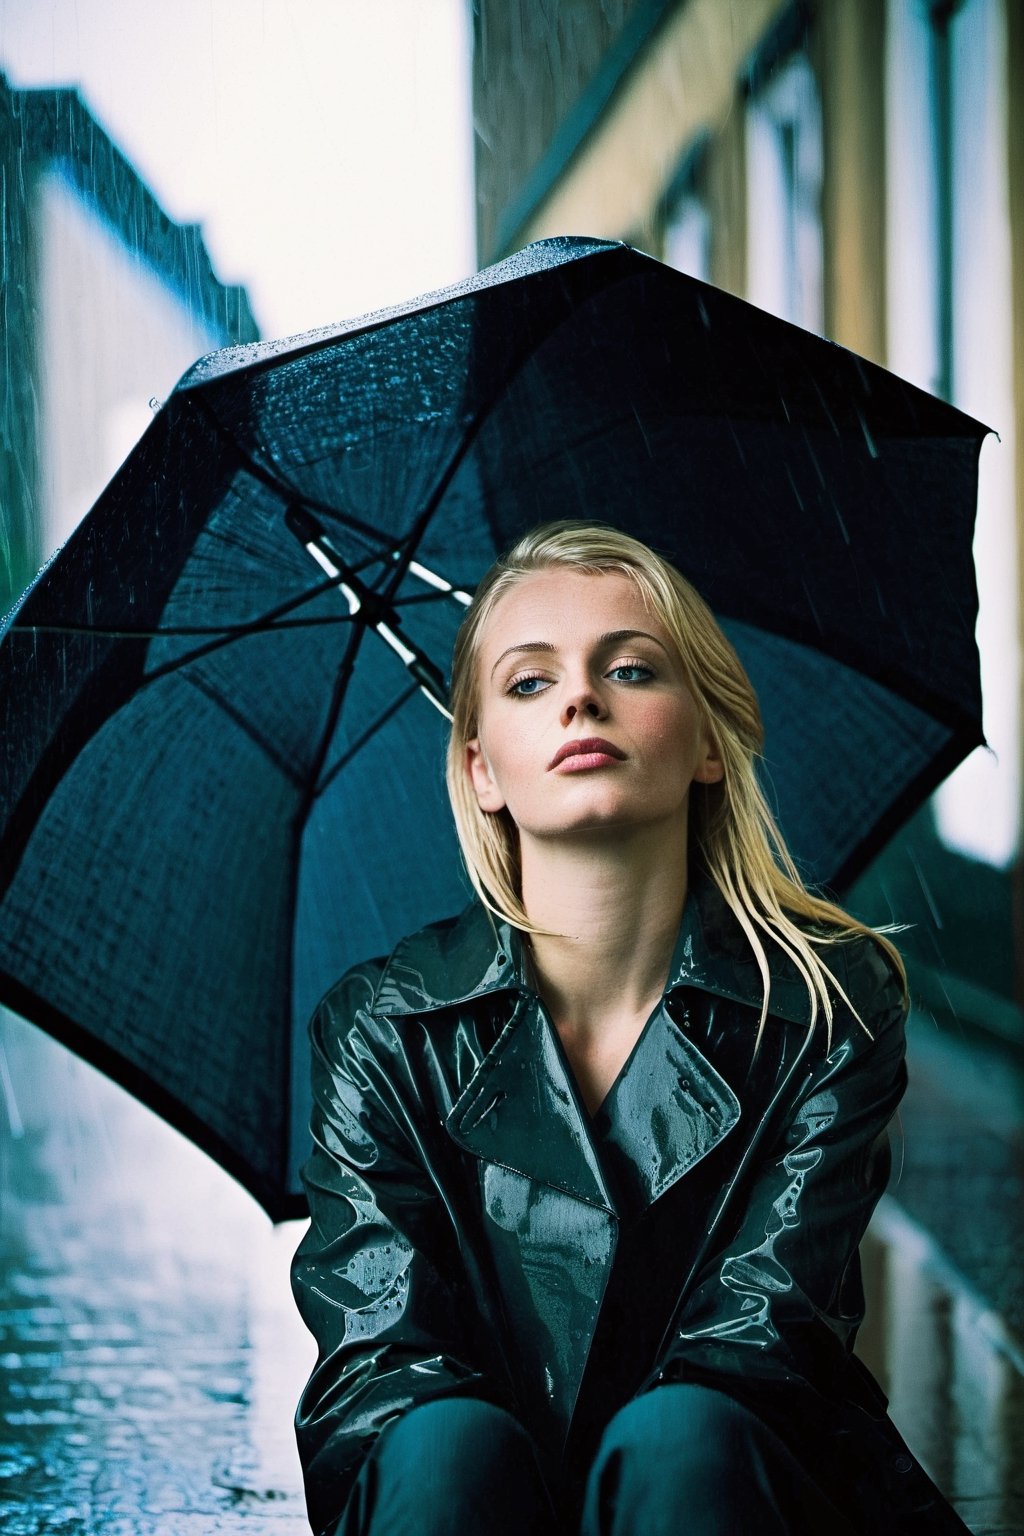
(963, 1157)
(152, 1357)
(949, 1272)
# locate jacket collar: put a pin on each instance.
(521, 1107)
(475, 955)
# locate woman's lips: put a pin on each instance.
(580, 760)
(587, 752)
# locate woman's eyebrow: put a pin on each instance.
(611, 637)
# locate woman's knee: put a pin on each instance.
(685, 1420)
(703, 1435)
(717, 1466)
(449, 1465)
(683, 1456)
(463, 1430)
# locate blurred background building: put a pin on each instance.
(854, 165)
(105, 300)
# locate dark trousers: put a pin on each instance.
(681, 1460)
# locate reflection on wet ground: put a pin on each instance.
(152, 1356)
(151, 1353)
(943, 1272)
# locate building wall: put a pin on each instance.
(680, 84)
(111, 337)
(532, 61)
(105, 302)
(19, 455)
(847, 48)
(981, 381)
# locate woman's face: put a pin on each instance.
(568, 656)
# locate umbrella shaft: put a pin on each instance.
(433, 580)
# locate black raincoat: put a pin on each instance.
(474, 1231)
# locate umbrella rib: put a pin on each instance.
(298, 826)
(419, 597)
(268, 621)
(200, 651)
(264, 626)
(278, 483)
(341, 683)
(246, 726)
(412, 540)
(472, 432)
(223, 635)
(362, 740)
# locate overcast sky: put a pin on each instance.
(323, 145)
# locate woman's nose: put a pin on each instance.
(583, 699)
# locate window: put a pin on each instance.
(784, 169)
(949, 325)
(686, 220)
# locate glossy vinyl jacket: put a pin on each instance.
(475, 1232)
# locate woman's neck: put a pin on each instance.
(618, 902)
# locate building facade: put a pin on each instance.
(106, 302)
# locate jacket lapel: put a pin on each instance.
(521, 1107)
(670, 1107)
(666, 1110)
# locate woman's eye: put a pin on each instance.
(521, 687)
(640, 670)
(533, 683)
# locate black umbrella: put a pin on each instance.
(220, 705)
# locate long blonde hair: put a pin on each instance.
(731, 825)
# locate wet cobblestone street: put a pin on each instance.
(152, 1356)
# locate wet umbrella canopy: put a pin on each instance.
(221, 776)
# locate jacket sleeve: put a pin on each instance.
(377, 1277)
(774, 1309)
(772, 1316)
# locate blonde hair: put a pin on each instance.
(731, 825)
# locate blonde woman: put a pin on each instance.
(592, 1160)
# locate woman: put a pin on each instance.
(593, 1160)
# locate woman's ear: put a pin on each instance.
(488, 795)
(710, 768)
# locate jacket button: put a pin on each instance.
(902, 1463)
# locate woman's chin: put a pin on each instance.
(607, 822)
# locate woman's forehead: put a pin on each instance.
(564, 598)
